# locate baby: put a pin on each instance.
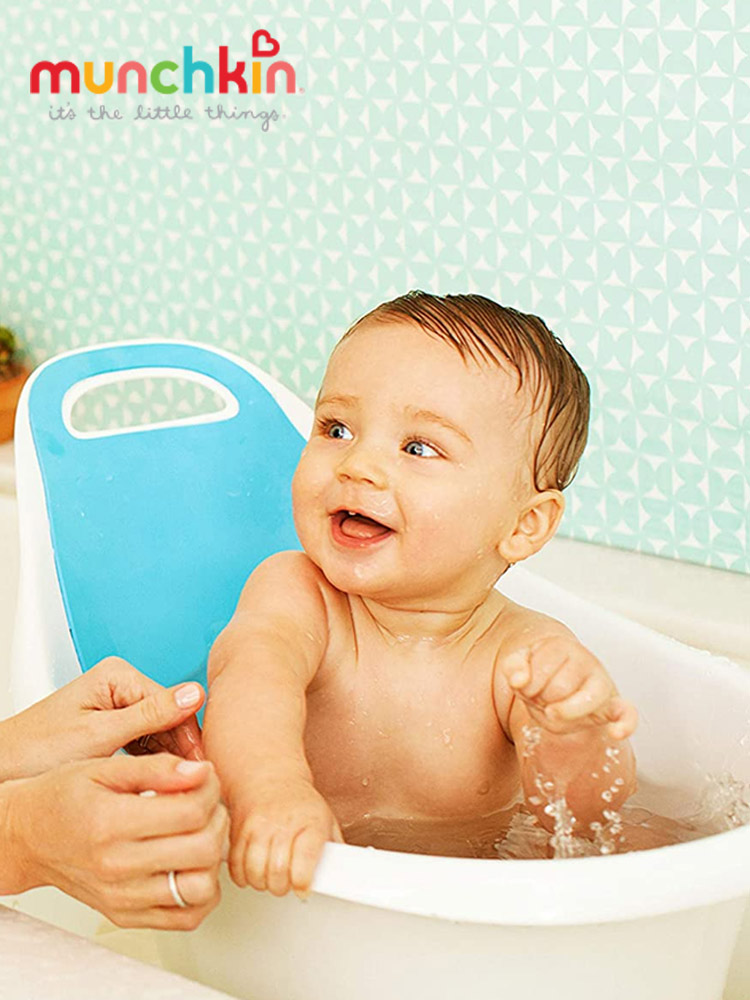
(379, 676)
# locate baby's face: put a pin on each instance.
(415, 469)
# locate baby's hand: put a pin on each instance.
(280, 840)
(566, 689)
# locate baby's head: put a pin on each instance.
(448, 425)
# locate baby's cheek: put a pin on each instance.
(306, 481)
(306, 503)
(445, 526)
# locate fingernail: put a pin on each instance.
(191, 766)
(189, 694)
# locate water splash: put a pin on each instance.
(724, 804)
(531, 737)
(608, 835)
(563, 840)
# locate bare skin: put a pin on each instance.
(379, 673)
(73, 816)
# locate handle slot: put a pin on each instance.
(226, 405)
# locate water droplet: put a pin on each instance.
(483, 788)
(365, 782)
(532, 736)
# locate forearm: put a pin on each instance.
(594, 773)
(255, 720)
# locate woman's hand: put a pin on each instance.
(112, 705)
(85, 828)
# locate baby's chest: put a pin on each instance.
(408, 743)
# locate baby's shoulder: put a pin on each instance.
(291, 564)
(292, 577)
(516, 626)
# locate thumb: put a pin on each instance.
(165, 708)
(160, 773)
(516, 667)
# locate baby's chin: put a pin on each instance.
(353, 580)
(358, 579)
(392, 589)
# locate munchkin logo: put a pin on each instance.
(262, 74)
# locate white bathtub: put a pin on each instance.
(652, 925)
(657, 924)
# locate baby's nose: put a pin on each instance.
(364, 463)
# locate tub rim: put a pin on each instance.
(546, 892)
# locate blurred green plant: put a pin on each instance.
(10, 353)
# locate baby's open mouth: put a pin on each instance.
(358, 527)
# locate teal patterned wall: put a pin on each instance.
(587, 161)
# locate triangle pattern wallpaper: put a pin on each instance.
(585, 161)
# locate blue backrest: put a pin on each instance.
(155, 531)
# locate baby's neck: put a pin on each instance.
(430, 627)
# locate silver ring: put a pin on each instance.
(172, 883)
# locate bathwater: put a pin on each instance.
(655, 816)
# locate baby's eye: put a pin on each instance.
(421, 449)
(334, 429)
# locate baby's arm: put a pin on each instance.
(568, 723)
(258, 671)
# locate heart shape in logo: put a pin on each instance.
(257, 50)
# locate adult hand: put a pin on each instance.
(85, 828)
(112, 705)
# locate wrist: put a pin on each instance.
(9, 750)
(266, 776)
(17, 868)
(593, 772)
(578, 756)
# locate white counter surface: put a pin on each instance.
(41, 962)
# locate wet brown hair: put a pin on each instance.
(487, 332)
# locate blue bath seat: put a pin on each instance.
(155, 529)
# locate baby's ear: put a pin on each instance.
(536, 524)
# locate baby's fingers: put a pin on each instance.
(589, 700)
(530, 669)
(278, 864)
(623, 718)
(248, 858)
(306, 851)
